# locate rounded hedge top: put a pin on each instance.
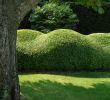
(63, 49)
(27, 35)
(101, 39)
(33, 41)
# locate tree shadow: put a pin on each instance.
(51, 90)
(81, 74)
(84, 74)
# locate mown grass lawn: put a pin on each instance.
(77, 86)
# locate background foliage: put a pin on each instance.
(53, 16)
(86, 21)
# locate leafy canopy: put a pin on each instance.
(97, 5)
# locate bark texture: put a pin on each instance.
(11, 13)
(23, 7)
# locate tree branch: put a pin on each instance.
(23, 7)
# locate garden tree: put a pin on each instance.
(11, 14)
(53, 16)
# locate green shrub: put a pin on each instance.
(53, 16)
(102, 41)
(25, 35)
(63, 49)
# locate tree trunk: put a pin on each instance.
(11, 13)
(9, 85)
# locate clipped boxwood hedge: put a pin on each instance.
(61, 50)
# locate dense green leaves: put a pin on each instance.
(53, 16)
(63, 50)
(94, 4)
(97, 5)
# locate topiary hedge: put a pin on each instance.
(61, 50)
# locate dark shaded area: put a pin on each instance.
(25, 24)
(92, 22)
(48, 90)
(89, 20)
(81, 74)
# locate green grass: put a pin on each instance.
(77, 86)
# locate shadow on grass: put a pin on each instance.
(50, 90)
(75, 74)
(87, 74)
